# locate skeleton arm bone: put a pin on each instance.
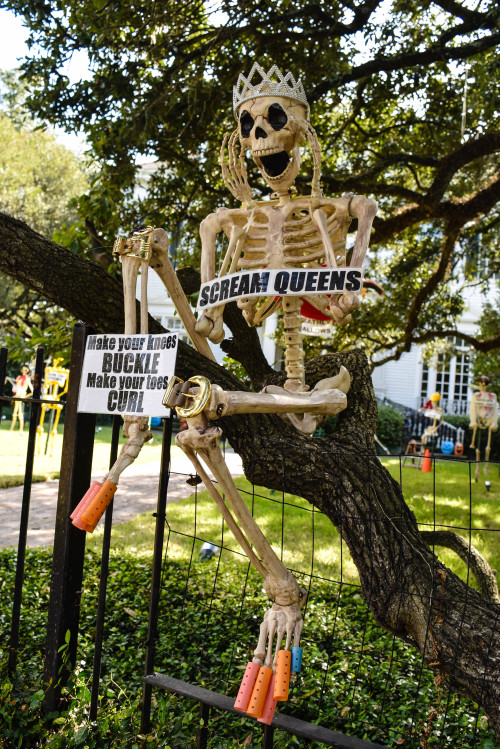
(364, 209)
(160, 262)
(136, 428)
(319, 217)
(210, 323)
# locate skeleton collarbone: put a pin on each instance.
(275, 235)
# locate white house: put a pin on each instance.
(410, 381)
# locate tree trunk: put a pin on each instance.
(409, 591)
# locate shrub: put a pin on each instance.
(390, 426)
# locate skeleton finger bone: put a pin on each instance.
(342, 306)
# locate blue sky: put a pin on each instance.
(13, 47)
(12, 40)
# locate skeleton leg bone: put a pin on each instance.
(487, 453)
(136, 428)
(200, 442)
(284, 617)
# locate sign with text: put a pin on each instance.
(317, 328)
(127, 374)
(280, 282)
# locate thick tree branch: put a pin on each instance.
(430, 286)
(485, 345)
(485, 576)
(449, 165)
(406, 60)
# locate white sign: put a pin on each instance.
(317, 328)
(280, 282)
(127, 374)
(54, 376)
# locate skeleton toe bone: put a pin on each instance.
(280, 621)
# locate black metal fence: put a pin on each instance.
(341, 680)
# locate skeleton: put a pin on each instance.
(283, 232)
(483, 416)
(21, 388)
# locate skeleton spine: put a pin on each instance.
(294, 351)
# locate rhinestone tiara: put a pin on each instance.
(272, 83)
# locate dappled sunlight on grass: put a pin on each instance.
(440, 502)
(448, 498)
(286, 520)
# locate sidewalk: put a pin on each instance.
(137, 493)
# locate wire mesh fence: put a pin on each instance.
(357, 678)
(207, 601)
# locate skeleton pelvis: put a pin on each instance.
(319, 399)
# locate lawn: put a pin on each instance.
(445, 499)
(13, 447)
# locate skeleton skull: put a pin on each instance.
(271, 127)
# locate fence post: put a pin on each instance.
(154, 599)
(69, 542)
(25, 509)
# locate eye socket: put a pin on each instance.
(277, 116)
(246, 123)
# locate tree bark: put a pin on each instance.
(409, 591)
(477, 564)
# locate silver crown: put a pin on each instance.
(272, 83)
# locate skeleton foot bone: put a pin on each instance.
(266, 679)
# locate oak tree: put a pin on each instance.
(404, 101)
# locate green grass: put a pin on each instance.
(454, 507)
(373, 686)
(450, 499)
(13, 447)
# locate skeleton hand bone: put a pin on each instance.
(342, 306)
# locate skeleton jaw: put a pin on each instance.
(278, 167)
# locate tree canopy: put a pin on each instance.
(39, 179)
(404, 97)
